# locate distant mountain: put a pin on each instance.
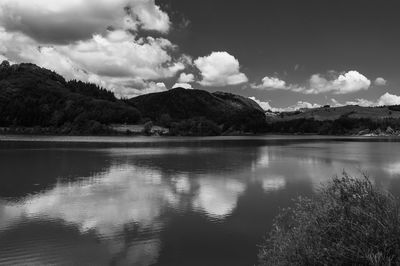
(345, 120)
(232, 111)
(33, 96)
(350, 111)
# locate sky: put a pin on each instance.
(284, 54)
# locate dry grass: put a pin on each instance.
(348, 222)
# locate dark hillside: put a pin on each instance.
(229, 110)
(33, 96)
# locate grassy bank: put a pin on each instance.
(348, 222)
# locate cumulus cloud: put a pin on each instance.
(274, 83)
(183, 85)
(220, 69)
(361, 102)
(63, 21)
(380, 82)
(263, 104)
(270, 83)
(100, 41)
(116, 61)
(389, 99)
(119, 54)
(386, 99)
(299, 105)
(186, 78)
(137, 88)
(306, 105)
(349, 82)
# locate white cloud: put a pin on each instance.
(349, 82)
(186, 78)
(220, 69)
(70, 20)
(345, 83)
(147, 87)
(271, 83)
(389, 99)
(119, 54)
(386, 99)
(299, 105)
(183, 85)
(264, 105)
(117, 59)
(380, 82)
(335, 103)
(361, 102)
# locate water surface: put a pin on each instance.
(165, 201)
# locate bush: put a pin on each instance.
(148, 127)
(349, 222)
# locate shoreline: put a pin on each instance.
(121, 139)
(119, 135)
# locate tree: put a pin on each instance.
(148, 127)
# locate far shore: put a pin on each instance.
(124, 139)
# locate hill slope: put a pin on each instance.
(351, 111)
(33, 96)
(229, 110)
(345, 120)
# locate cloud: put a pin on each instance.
(299, 105)
(380, 82)
(186, 78)
(345, 83)
(63, 21)
(130, 91)
(274, 83)
(117, 59)
(220, 69)
(361, 102)
(183, 85)
(271, 83)
(389, 99)
(119, 54)
(264, 105)
(386, 99)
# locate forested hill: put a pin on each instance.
(31, 96)
(232, 112)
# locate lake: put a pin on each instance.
(165, 201)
